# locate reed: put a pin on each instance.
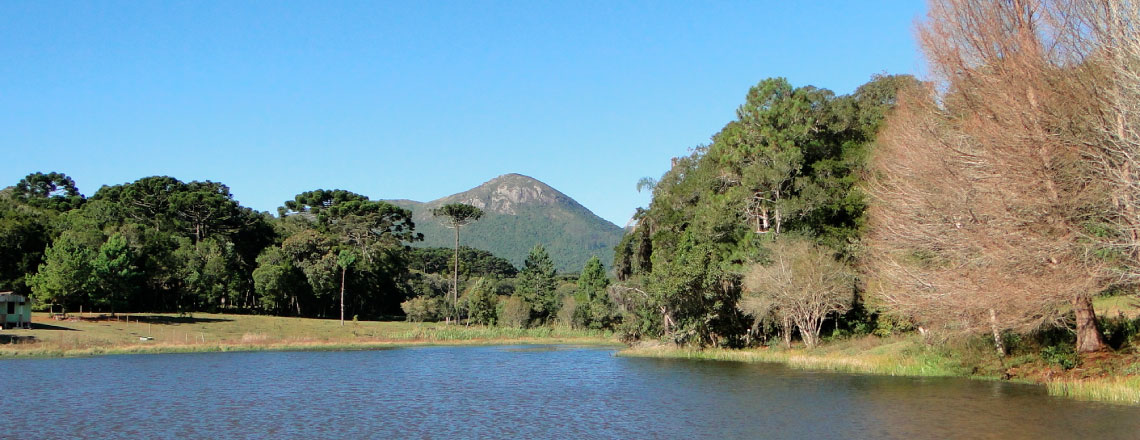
(893, 362)
(1110, 389)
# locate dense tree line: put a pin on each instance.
(787, 168)
(160, 244)
(1000, 196)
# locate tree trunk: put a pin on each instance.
(996, 333)
(343, 270)
(455, 278)
(1089, 338)
(787, 332)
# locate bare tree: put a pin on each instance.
(981, 195)
(1107, 38)
(802, 285)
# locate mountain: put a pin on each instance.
(519, 212)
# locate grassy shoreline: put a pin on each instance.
(905, 356)
(299, 345)
(101, 335)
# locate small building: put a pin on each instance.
(15, 311)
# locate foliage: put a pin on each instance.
(1060, 355)
(514, 312)
(67, 276)
(115, 271)
(472, 262)
(791, 162)
(570, 314)
(537, 284)
(801, 286)
(160, 244)
(482, 302)
(593, 307)
(422, 309)
(455, 216)
(51, 191)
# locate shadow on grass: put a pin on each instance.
(16, 339)
(147, 319)
(151, 319)
(42, 326)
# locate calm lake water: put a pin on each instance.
(515, 392)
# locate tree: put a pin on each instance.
(537, 283)
(344, 260)
(802, 285)
(25, 234)
(145, 201)
(55, 191)
(457, 215)
(327, 222)
(114, 270)
(482, 302)
(1111, 76)
(66, 277)
(593, 300)
(278, 283)
(790, 162)
(983, 194)
(693, 296)
(205, 208)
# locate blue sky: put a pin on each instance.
(414, 100)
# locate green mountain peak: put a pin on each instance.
(520, 212)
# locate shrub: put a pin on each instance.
(420, 309)
(481, 302)
(1119, 330)
(1060, 355)
(569, 314)
(515, 313)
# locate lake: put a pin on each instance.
(516, 392)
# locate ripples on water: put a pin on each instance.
(515, 392)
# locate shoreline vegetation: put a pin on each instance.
(909, 355)
(98, 334)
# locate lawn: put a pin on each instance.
(151, 333)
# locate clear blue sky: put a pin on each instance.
(414, 100)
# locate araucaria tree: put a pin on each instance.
(344, 260)
(987, 210)
(456, 216)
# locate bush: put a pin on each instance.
(1060, 355)
(568, 314)
(887, 325)
(420, 309)
(515, 313)
(481, 302)
(1119, 330)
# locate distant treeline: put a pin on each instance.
(162, 245)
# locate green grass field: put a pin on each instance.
(1117, 305)
(157, 333)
